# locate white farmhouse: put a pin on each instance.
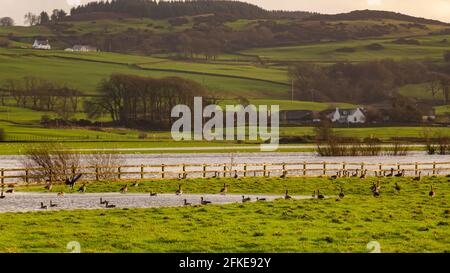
(41, 44)
(348, 116)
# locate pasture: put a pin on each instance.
(401, 221)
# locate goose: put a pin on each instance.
(224, 190)
(102, 202)
(397, 187)
(52, 205)
(186, 203)
(179, 191)
(248, 199)
(419, 177)
(49, 187)
(152, 194)
(135, 184)
(184, 176)
(236, 176)
(363, 174)
(260, 199)
(60, 194)
(432, 192)
(82, 189)
(71, 181)
(341, 194)
(284, 174)
(391, 173)
(320, 196)
(43, 206)
(215, 175)
(287, 196)
(204, 202)
(355, 174)
(376, 193)
(400, 174)
(109, 206)
(333, 177)
(124, 189)
(10, 191)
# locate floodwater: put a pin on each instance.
(288, 158)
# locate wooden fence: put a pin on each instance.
(25, 176)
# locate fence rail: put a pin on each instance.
(31, 176)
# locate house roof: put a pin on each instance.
(42, 42)
(79, 47)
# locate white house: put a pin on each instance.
(82, 48)
(40, 44)
(348, 116)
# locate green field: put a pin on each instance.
(408, 221)
(430, 49)
(292, 105)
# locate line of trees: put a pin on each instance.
(133, 100)
(38, 94)
(43, 18)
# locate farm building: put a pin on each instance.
(348, 116)
(41, 44)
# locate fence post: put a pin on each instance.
(362, 167)
(119, 170)
(2, 173)
(204, 170)
(380, 167)
(324, 168)
(224, 170)
(184, 170)
(163, 171)
(416, 168)
(245, 170)
(50, 176)
(304, 168)
(142, 171)
(265, 169)
(434, 168)
(284, 168)
(26, 175)
(344, 167)
(96, 173)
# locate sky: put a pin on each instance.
(432, 9)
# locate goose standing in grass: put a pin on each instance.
(236, 176)
(82, 189)
(260, 199)
(391, 173)
(248, 199)
(204, 202)
(180, 190)
(43, 206)
(224, 190)
(333, 177)
(355, 174)
(186, 203)
(284, 174)
(287, 196)
(124, 189)
(432, 192)
(73, 180)
(419, 177)
(341, 194)
(136, 184)
(397, 187)
(363, 174)
(215, 175)
(320, 196)
(400, 173)
(53, 205)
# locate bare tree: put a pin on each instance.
(31, 19)
(106, 163)
(51, 162)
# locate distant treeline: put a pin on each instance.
(169, 9)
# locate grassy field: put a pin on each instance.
(408, 221)
(430, 48)
(92, 68)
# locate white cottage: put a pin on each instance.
(348, 116)
(41, 44)
(82, 48)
